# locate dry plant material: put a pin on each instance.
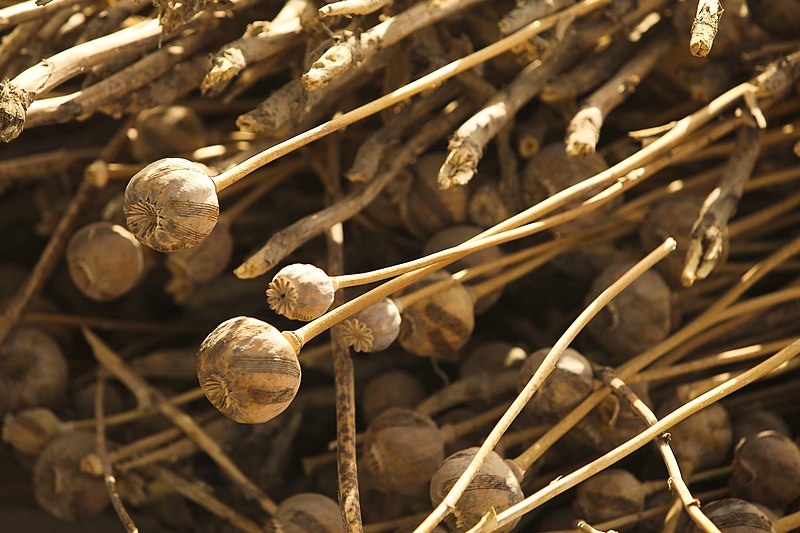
(750, 422)
(348, 8)
(551, 171)
(732, 515)
(58, 483)
(28, 431)
(166, 131)
(492, 357)
(301, 292)
(705, 26)
(766, 469)
(402, 449)
(610, 494)
(33, 370)
(390, 389)
(308, 513)
(568, 384)
(373, 329)
(709, 239)
(779, 17)
(527, 11)
(639, 318)
(105, 261)
(494, 487)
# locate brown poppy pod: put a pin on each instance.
(427, 209)
(730, 515)
(248, 370)
(301, 292)
(439, 325)
(32, 368)
(58, 483)
(551, 171)
(390, 389)
(491, 357)
(171, 205)
(28, 431)
(308, 513)
(167, 131)
(703, 440)
(566, 386)
(105, 261)
(766, 469)
(402, 449)
(673, 217)
(754, 420)
(610, 494)
(455, 235)
(638, 318)
(202, 263)
(495, 486)
(372, 329)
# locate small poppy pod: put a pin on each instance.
(427, 209)
(766, 469)
(552, 170)
(105, 261)
(704, 439)
(455, 235)
(487, 207)
(171, 205)
(402, 449)
(28, 431)
(752, 421)
(491, 357)
(308, 513)
(200, 264)
(58, 483)
(566, 386)
(167, 131)
(778, 17)
(390, 389)
(610, 494)
(439, 325)
(639, 317)
(33, 369)
(730, 515)
(495, 486)
(248, 370)
(673, 217)
(301, 292)
(372, 329)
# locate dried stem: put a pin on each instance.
(676, 482)
(787, 523)
(583, 132)
(562, 484)
(704, 27)
(31, 10)
(451, 500)
(434, 78)
(348, 8)
(528, 11)
(477, 387)
(710, 232)
(16, 40)
(102, 453)
(116, 366)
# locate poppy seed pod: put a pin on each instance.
(372, 329)
(402, 449)
(301, 292)
(58, 483)
(248, 370)
(566, 386)
(202, 263)
(752, 421)
(730, 515)
(171, 205)
(105, 260)
(610, 494)
(766, 469)
(390, 389)
(704, 439)
(495, 486)
(673, 217)
(308, 513)
(28, 431)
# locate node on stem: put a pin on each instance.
(569, 383)
(59, 485)
(439, 325)
(610, 494)
(248, 370)
(372, 329)
(33, 370)
(301, 292)
(308, 512)
(171, 205)
(105, 261)
(402, 449)
(766, 469)
(494, 487)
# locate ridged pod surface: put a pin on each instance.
(610, 494)
(301, 292)
(33, 370)
(730, 515)
(308, 513)
(766, 469)
(372, 329)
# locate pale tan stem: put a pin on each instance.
(547, 366)
(30, 10)
(348, 8)
(704, 27)
(787, 523)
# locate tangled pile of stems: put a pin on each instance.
(172, 204)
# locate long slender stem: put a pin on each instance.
(547, 366)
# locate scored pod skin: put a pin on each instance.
(372, 329)
(248, 370)
(301, 292)
(307, 513)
